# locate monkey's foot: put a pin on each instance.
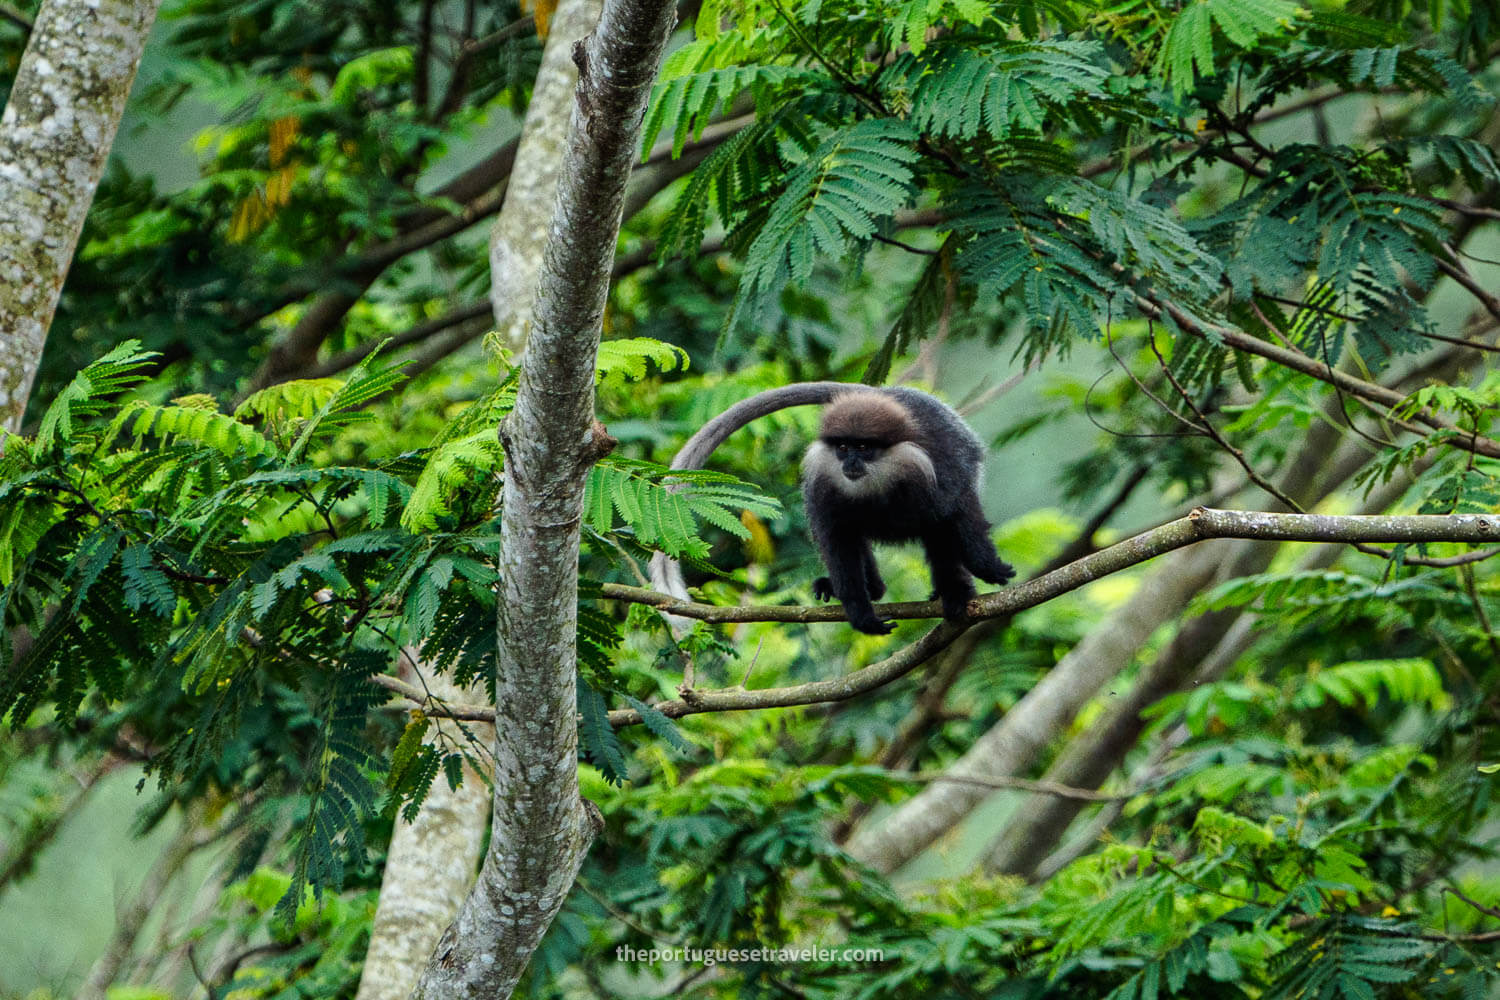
(823, 589)
(955, 605)
(999, 573)
(872, 625)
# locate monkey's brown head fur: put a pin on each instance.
(866, 416)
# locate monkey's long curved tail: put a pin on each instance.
(666, 573)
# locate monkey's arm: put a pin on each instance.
(844, 553)
(874, 584)
(976, 550)
(951, 583)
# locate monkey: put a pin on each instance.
(896, 465)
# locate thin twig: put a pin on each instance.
(1299, 362)
(512, 30)
(1213, 433)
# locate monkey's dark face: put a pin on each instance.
(856, 457)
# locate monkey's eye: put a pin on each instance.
(841, 450)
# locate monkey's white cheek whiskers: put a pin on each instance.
(881, 476)
(872, 484)
(819, 463)
(908, 462)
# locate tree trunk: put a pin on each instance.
(521, 227)
(55, 136)
(541, 828)
(431, 862)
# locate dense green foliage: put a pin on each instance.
(1183, 213)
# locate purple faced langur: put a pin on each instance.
(896, 465)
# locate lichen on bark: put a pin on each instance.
(55, 136)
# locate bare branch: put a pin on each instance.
(471, 312)
(1202, 524)
(1297, 361)
(1455, 269)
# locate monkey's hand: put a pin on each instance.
(1000, 572)
(955, 602)
(823, 589)
(867, 623)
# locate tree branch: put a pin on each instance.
(468, 313)
(1202, 524)
(294, 354)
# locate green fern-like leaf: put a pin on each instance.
(87, 394)
(1347, 957)
(1457, 156)
(738, 168)
(1412, 681)
(94, 555)
(1188, 45)
(1294, 597)
(630, 358)
(833, 204)
(365, 383)
(299, 398)
(961, 91)
(663, 507)
(1016, 244)
(684, 106)
(192, 423)
(1244, 22)
(598, 640)
(341, 796)
(451, 467)
(599, 738)
(404, 755)
(146, 586)
(660, 726)
(418, 781)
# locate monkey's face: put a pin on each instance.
(858, 458)
(866, 469)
